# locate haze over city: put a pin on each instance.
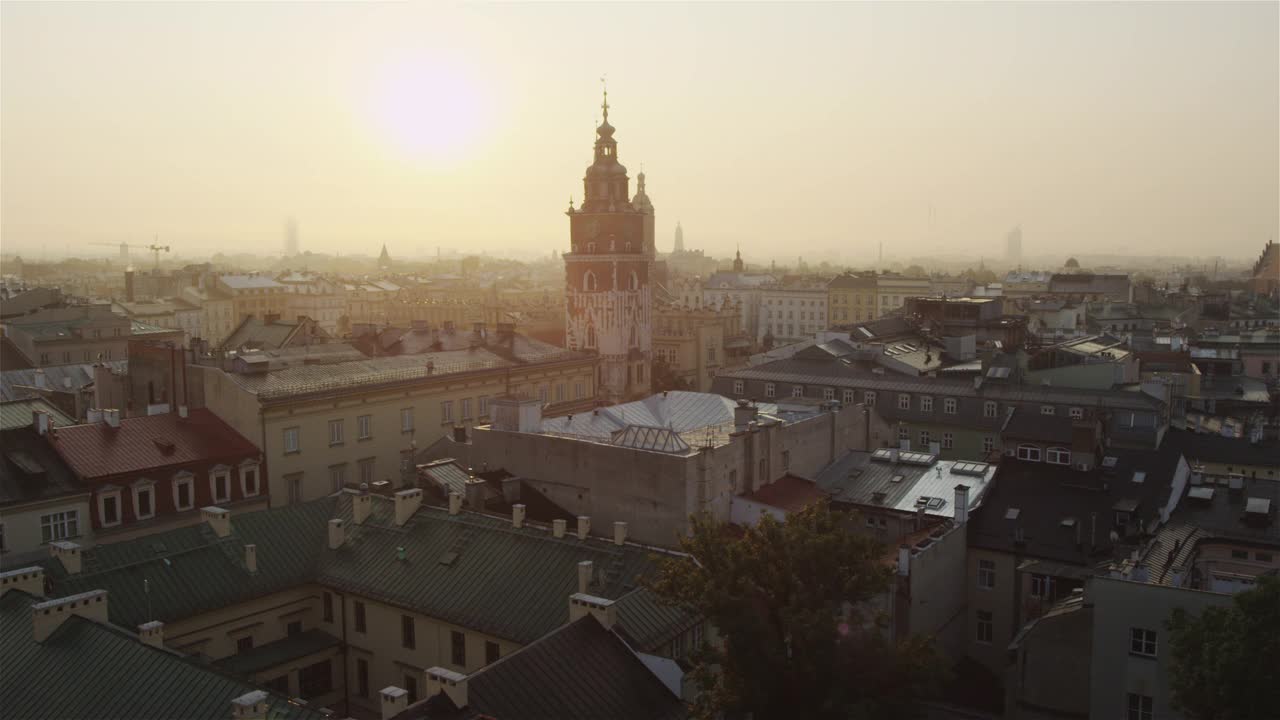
(822, 130)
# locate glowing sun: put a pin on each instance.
(429, 107)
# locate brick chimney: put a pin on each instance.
(152, 633)
(584, 527)
(361, 505)
(67, 552)
(962, 504)
(250, 706)
(49, 615)
(111, 416)
(28, 579)
(558, 527)
(582, 604)
(584, 575)
(219, 520)
(394, 700)
(40, 422)
(407, 502)
(475, 489)
(337, 533)
(517, 515)
(454, 684)
(619, 532)
(251, 558)
(455, 503)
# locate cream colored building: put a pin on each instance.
(851, 298)
(323, 427)
(892, 291)
(79, 334)
(697, 342)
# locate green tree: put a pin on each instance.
(783, 598)
(664, 377)
(1226, 661)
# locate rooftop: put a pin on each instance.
(248, 282)
(789, 492)
(30, 469)
(18, 413)
(913, 481)
(98, 450)
(14, 383)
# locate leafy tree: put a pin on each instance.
(665, 378)
(1226, 661)
(777, 593)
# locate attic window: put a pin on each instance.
(1109, 461)
(165, 446)
(1139, 476)
(895, 479)
(1068, 523)
(1012, 513)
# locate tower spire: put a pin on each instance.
(605, 105)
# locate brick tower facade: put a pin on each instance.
(608, 301)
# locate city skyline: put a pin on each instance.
(925, 128)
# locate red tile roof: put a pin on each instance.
(145, 443)
(789, 493)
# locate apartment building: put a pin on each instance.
(173, 313)
(322, 425)
(696, 342)
(893, 290)
(791, 311)
(852, 298)
(257, 295)
(314, 296)
(41, 500)
(79, 334)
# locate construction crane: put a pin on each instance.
(125, 247)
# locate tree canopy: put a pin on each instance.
(784, 598)
(1226, 661)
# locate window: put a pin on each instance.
(986, 574)
(904, 433)
(542, 393)
(358, 611)
(364, 427)
(294, 481)
(1142, 642)
(220, 484)
(869, 397)
(786, 459)
(327, 601)
(948, 441)
(291, 440)
(924, 439)
(738, 387)
(589, 281)
(244, 644)
(316, 679)
(446, 411)
(183, 491)
(904, 401)
(1041, 586)
(1030, 453)
(926, 403)
(578, 394)
(458, 648)
(797, 391)
(1046, 409)
(1239, 555)
(828, 393)
(249, 479)
(989, 409)
(985, 626)
(484, 405)
(949, 406)
(335, 432)
(988, 444)
(109, 508)
(770, 390)
(144, 500)
(1058, 456)
(1262, 557)
(366, 470)
(492, 653)
(411, 687)
(408, 640)
(4, 545)
(279, 684)
(59, 526)
(406, 420)
(293, 628)
(362, 677)
(1076, 413)
(1141, 707)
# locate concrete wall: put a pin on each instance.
(1000, 601)
(937, 592)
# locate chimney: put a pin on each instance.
(475, 488)
(251, 558)
(111, 417)
(517, 515)
(619, 532)
(455, 503)
(28, 579)
(47, 616)
(250, 706)
(454, 684)
(511, 490)
(743, 414)
(904, 560)
(962, 504)
(42, 382)
(460, 434)
(218, 518)
(893, 455)
(68, 553)
(407, 502)
(152, 633)
(182, 411)
(394, 700)
(93, 415)
(337, 533)
(558, 528)
(582, 604)
(40, 422)
(584, 575)
(584, 526)
(361, 505)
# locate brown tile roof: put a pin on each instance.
(155, 441)
(789, 493)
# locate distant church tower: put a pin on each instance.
(679, 246)
(607, 270)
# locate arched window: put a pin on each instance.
(633, 283)
(627, 246)
(591, 247)
(589, 281)
(591, 337)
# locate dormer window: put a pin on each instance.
(1058, 456)
(1030, 453)
(144, 499)
(250, 478)
(220, 484)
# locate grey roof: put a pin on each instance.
(873, 479)
(1198, 447)
(30, 469)
(448, 475)
(247, 282)
(88, 670)
(1027, 424)
(14, 383)
(279, 652)
(647, 623)
(18, 413)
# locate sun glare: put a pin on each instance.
(428, 107)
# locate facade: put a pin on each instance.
(1091, 287)
(79, 334)
(41, 501)
(791, 311)
(173, 313)
(851, 298)
(696, 343)
(892, 291)
(315, 297)
(1265, 278)
(608, 295)
(256, 295)
(740, 289)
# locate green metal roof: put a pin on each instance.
(647, 623)
(17, 413)
(279, 652)
(88, 670)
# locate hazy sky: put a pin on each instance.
(790, 129)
